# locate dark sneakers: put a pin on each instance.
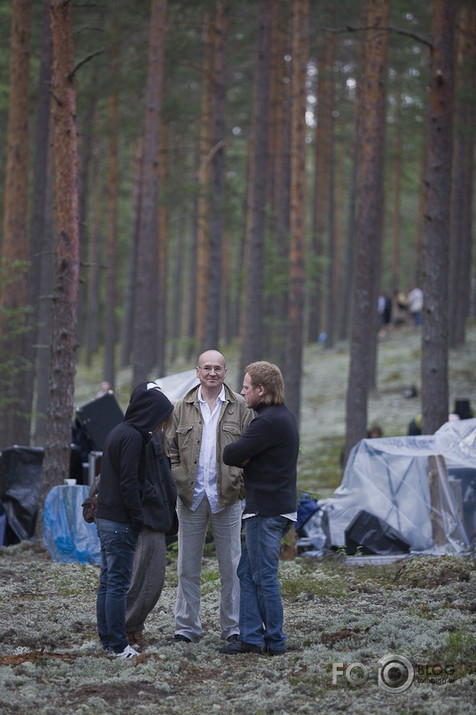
(236, 647)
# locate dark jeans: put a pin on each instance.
(118, 544)
(261, 609)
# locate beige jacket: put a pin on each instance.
(185, 439)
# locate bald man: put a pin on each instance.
(209, 417)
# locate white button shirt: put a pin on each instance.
(206, 482)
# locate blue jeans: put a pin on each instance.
(261, 609)
(118, 544)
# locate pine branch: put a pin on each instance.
(390, 28)
(83, 62)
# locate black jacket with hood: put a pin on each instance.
(124, 457)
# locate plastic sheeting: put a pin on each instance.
(66, 536)
(176, 386)
(20, 479)
(405, 482)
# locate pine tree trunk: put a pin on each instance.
(369, 224)
(434, 359)
(110, 333)
(65, 295)
(41, 238)
(252, 319)
(203, 201)
(345, 305)
(278, 169)
(95, 264)
(300, 58)
(462, 183)
(215, 301)
(319, 203)
(16, 387)
(331, 311)
(128, 317)
(397, 182)
(162, 256)
(144, 332)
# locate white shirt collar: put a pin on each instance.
(221, 396)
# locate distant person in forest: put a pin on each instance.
(399, 309)
(104, 388)
(384, 310)
(374, 432)
(120, 516)
(414, 303)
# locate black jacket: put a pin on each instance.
(159, 497)
(271, 444)
(124, 457)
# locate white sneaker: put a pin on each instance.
(128, 652)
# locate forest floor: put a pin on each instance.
(393, 638)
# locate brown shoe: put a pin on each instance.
(137, 638)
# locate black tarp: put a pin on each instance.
(20, 487)
(373, 536)
(98, 417)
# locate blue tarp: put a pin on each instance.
(66, 536)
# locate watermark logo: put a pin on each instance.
(395, 673)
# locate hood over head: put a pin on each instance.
(148, 407)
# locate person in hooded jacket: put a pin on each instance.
(120, 516)
(159, 499)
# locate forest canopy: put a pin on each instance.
(238, 176)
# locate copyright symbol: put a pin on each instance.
(395, 673)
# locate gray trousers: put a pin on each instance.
(226, 527)
(148, 576)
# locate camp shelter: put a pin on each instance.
(422, 487)
(176, 386)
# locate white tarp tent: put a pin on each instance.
(420, 486)
(176, 386)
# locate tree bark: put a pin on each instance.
(331, 310)
(64, 312)
(397, 183)
(462, 179)
(16, 388)
(319, 203)
(203, 201)
(252, 325)
(41, 270)
(95, 262)
(215, 302)
(129, 300)
(369, 223)
(278, 170)
(145, 308)
(300, 57)
(434, 332)
(110, 333)
(345, 305)
(162, 255)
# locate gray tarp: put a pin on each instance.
(405, 482)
